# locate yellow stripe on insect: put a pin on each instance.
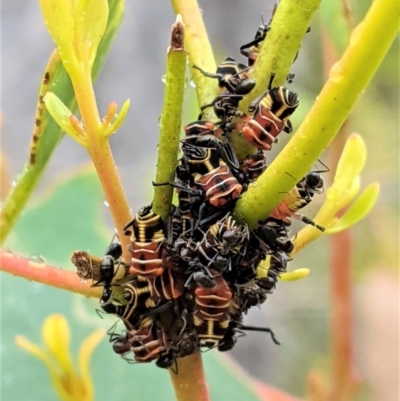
(294, 275)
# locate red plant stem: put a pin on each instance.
(341, 315)
(45, 274)
(190, 383)
(340, 248)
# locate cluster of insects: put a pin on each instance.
(193, 275)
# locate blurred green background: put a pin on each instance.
(67, 212)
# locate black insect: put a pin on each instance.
(252, 49)
(234, 82)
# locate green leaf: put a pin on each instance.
(339, 197)
(59, 19)
(91, 20)
(52, 134)
(357, 211)
(351, 162)
(295, 275)
(61, 113)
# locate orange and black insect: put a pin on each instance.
(211, 175)
(211, 313)
(211, 179)
(197, 129)
(300, 196)
(204, 153)
(254, 165)
(168, 286)
(146, 342)
(272, 112)
(219, 186)
(147, 238)
(223, 244)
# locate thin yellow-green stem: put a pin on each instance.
(278, 50)
(17, 198)
(288, 27)
(190, 382)
(200, 52)
(170, 120)
(349, 77)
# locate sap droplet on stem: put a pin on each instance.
(37, 258)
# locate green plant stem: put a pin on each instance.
(168, 146)
(190, 383)
(45, 274)
(369, 43)
(200, 52)
(46, 136)
(51, 133)
(278, 50)
(288, 27)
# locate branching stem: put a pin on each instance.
(45, 274)
(349, 77)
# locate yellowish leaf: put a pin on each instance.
(358, 210)
(113, 128)
(61, 113)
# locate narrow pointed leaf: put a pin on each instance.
(61, 113)
(295, 275)
(91, 20)
(358, 210)
(59, 19)
(113, 128)
(352, 160)
(338, 198)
